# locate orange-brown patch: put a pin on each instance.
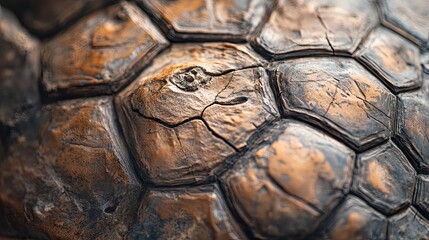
(300, 165)
(354, 223)
(378, 176)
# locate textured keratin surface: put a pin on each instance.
(214, 119)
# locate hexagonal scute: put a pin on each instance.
(19, 71)
(187, 213)
(385, 178)
(310, 26)
(101, 52)
(207, 19)
(69, 176)
(44, 17)
(286, 185)
(421, 194)
(354, 220)
(412, 127)
(408, 225)
(395, 60)
(190, 110)
(408, 18)
(339, 95)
